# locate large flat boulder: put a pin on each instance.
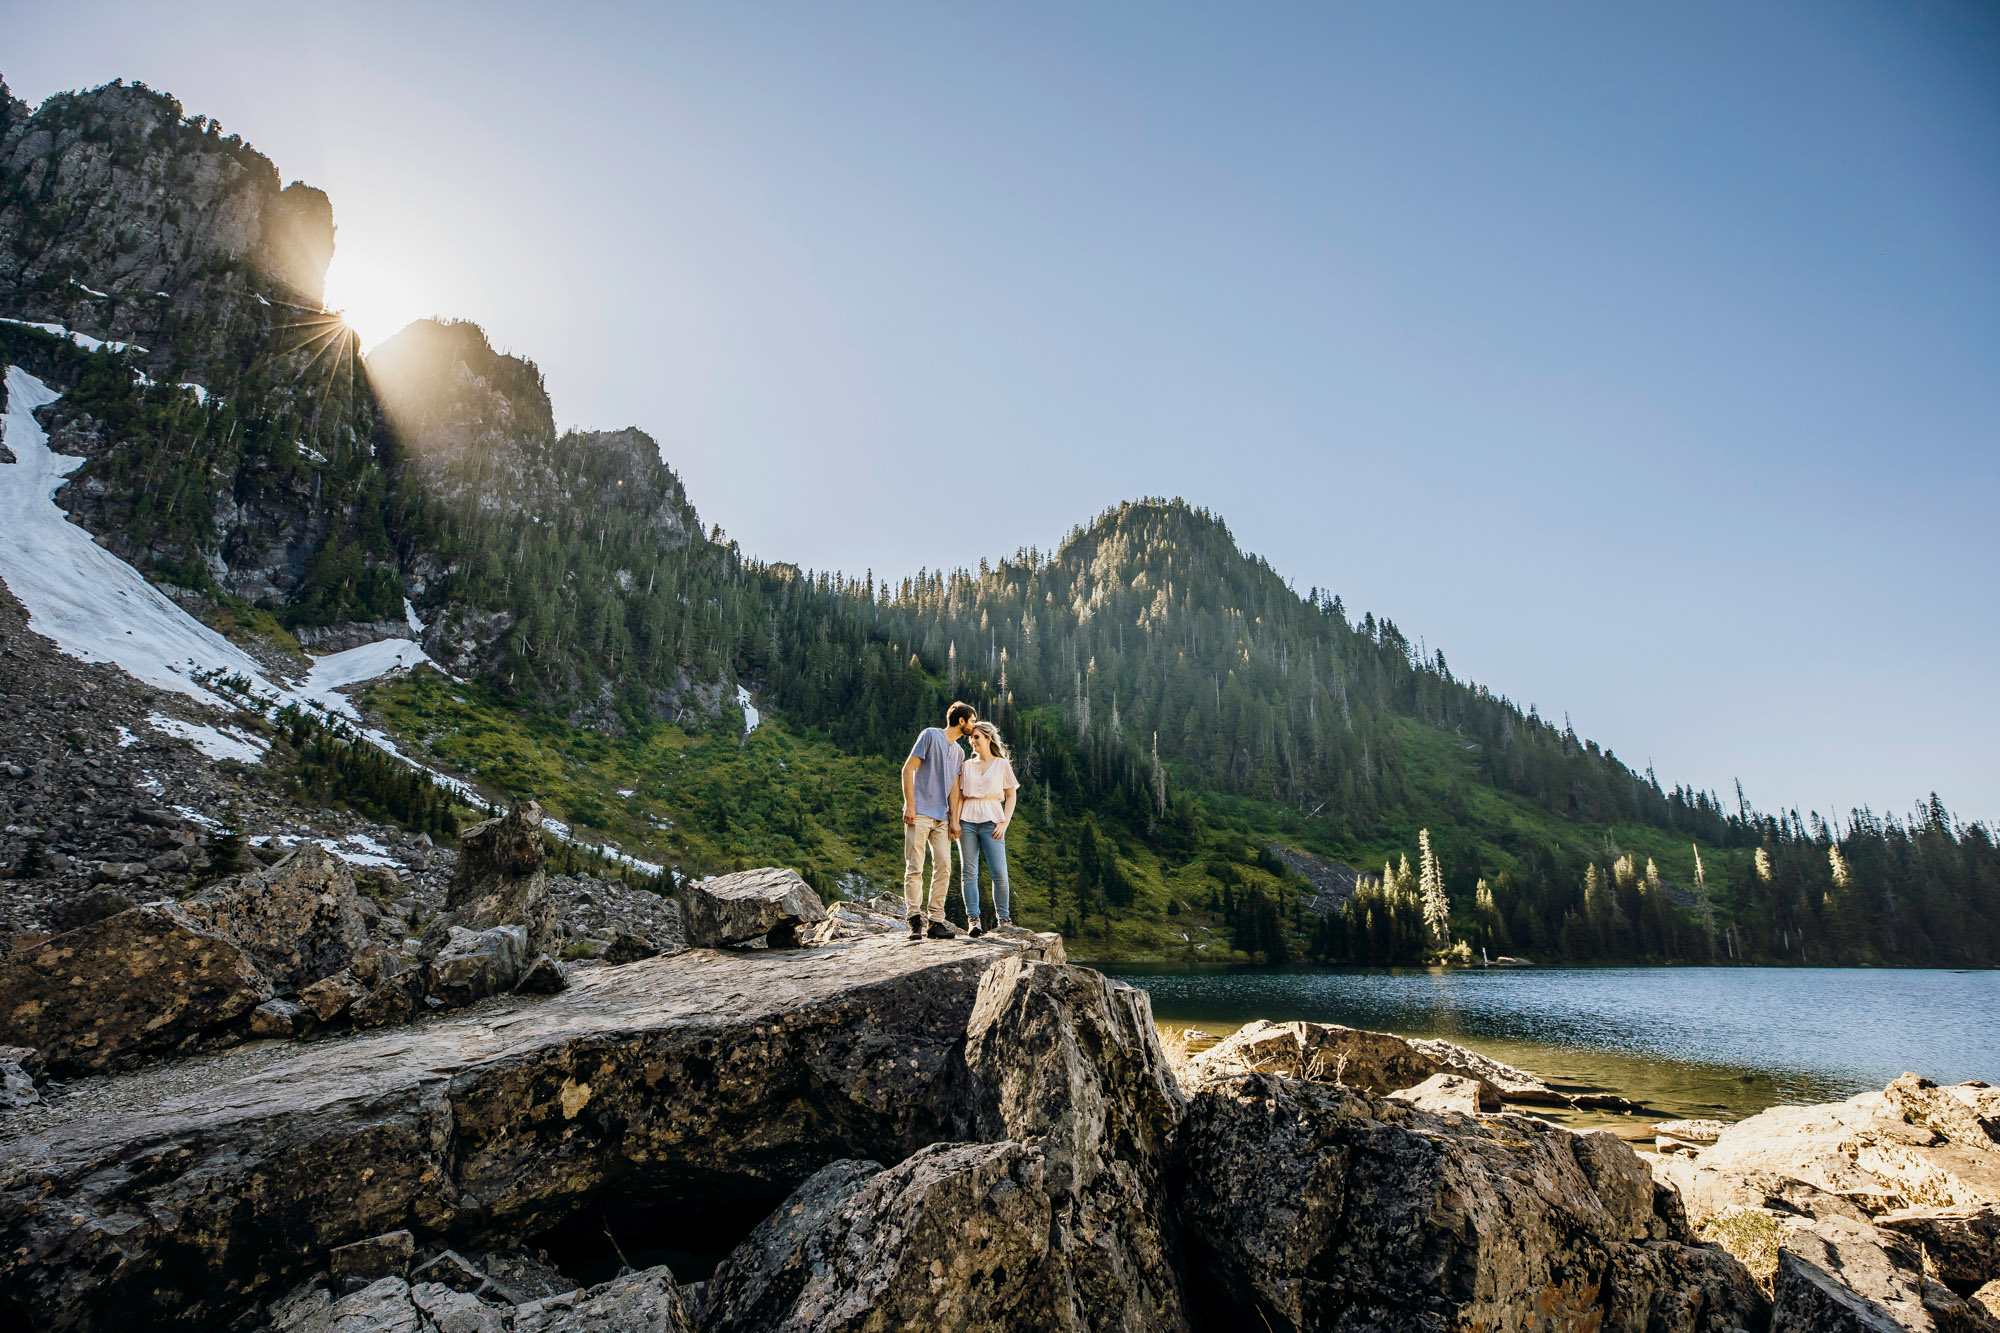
(771, 903)
(185, 1195)
(144, 980)
(1309, 1206)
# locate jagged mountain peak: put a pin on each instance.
(127, 216)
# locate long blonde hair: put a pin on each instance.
(992, 735)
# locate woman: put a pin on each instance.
(986, 791)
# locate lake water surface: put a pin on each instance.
(1686, 1041)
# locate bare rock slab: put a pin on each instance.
(143, 980)
(771, 903)
(676, 1076)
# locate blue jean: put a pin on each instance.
(971, 839)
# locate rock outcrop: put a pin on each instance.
(1881, 1212)
(193, 1192)
(1321, 1207)
(769, 904)
(1052, 1218)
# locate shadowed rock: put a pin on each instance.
(143, 980)
(769, 903)
(1055, 1222)
(1318, 1207)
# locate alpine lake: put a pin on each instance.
(1684, 1042)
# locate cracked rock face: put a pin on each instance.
(751, 904)
(1884, 1209)
(1320, 1207)
(1053, 1222)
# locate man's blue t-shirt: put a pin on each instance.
(942, 760)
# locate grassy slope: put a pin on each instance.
(705, 801)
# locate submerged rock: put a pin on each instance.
(770, 903)
(1319, 1207)
(143, 980)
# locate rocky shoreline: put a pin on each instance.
(247, 1109)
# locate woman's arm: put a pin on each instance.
(1007, 810)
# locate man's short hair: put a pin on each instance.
(959, 712)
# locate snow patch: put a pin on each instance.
(410, 615)
(92, 290)
(371, 661)
(195, 816)
(91, 603)
(200, 394)
(126, 740)
(626, 793)
(83, 340)
(215, 742)
(750, 717)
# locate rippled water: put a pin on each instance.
(1684, 1040)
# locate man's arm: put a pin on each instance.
(910, 766)
(957, 800)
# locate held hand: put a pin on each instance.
(955, 830)
(909, 815)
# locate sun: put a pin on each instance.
(370, 299)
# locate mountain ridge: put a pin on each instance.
(1177, 706)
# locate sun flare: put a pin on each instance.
(369, 301)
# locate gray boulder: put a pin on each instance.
(1319, 1207)
(1843, 1276)
(330, 997)
(141, 981)
(188, 1195)
(17, 1083)
(1450, 1092)
(279, 1018)
(473, 965)
(770, 903)
(645, 1302)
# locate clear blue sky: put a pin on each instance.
(1646, 360)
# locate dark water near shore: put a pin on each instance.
(1686, 1041)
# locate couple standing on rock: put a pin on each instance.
(948, 794)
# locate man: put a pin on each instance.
(930, 790)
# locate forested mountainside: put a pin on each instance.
(1215, 765)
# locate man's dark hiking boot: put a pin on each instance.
(941, 930)
(916, 926)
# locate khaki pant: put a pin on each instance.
(931, 833)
